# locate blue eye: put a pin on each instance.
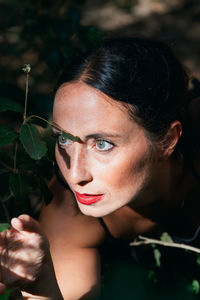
(103, 145)
(63, 141)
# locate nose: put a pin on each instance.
(78, 168)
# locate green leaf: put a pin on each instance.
(157, 256)
(67, 135)
(198, 260)
(152, 276)
(5, 296)
(30, 139)
(7, 104)
(7, 135)
(4, 226)
(19, 187)
(194, 287)
(165, 237)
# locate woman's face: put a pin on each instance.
(110, 165)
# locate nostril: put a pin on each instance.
(82, 183)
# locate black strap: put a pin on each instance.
(108, 234)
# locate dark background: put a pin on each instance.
(48, 34)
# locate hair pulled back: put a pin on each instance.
(142, 73)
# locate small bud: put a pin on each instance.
(26, 68)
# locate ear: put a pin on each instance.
(171, 139)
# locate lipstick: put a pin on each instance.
(88, 199)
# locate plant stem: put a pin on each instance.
(38, 117)
(6, 166)
(68, 135)
(147, 241)
(5, 208)
(26, 96)
(15, 157)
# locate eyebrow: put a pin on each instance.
(65, 133)
(102, 135)
(87, 137)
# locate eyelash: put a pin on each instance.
(57, 135)
(102, 140)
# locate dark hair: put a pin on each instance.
(140, 72)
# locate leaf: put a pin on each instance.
(152, 276)
(19, 187)
(7, 104)
(157, 256)
(30, 139)
(198, 260)
(4, 226)
(7, 135)
(66, 135)
(194, 287)
(5, 296)
(165, 237)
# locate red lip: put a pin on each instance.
(87, 199)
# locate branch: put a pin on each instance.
(147, 241)
(26, 70)
(15, 156)
(3, 203)
(6, 166)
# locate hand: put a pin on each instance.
(24, 254)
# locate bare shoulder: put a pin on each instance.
(74, 240)
(62, 220)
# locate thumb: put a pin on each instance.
(26, 223)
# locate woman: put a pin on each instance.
(126, 168)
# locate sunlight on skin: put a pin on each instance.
(26, 246)
(122, 171)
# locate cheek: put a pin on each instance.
(125, 171)
(62, 158)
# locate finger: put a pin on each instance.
(2, 288)
(26, 223)
(2, 239)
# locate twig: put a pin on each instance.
(66, 134)
(3, 203)
(26, 96)
(6, 166)
(26, 70)
(38, 117)
(147, 241)
(15, 156)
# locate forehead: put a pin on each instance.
(78, 106)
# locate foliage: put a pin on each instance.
(46, 33)
(24, 159)
(50, 36)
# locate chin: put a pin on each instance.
(93, 211)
